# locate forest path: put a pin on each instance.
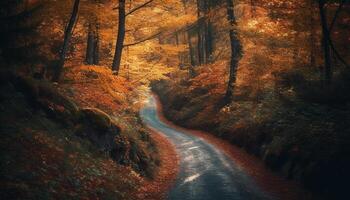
(205, 173)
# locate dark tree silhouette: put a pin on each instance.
(121, 33)
(67, 36)
(236, 51)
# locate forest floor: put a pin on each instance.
(52, 134)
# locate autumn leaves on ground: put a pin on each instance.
(271, 77)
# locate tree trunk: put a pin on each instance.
(325, 43)
(120, 38)
(67, 36)
(204, 42)
(200, 50)
(90, 46)
(191, 54)
(207, 32)
(179, 54)
(236, 51)
(177, 38)
(96, 45)
(312, 39)
(312, 45)
(208, 41)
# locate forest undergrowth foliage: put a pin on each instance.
(104, 132)
(282, 110)
(286, 62)
(74, 151)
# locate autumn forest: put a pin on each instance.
(175, 99)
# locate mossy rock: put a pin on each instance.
(97, 118)
(97, 126)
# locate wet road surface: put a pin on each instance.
(205, 172)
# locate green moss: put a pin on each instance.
(96, 118)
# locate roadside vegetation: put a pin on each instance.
(269, 76)
(282, 108)
(69, 125)
(52, 148)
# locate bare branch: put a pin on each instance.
(337, 53)
(138, 7)
(336, 15)
(143, 40)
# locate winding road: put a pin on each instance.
(205, 173)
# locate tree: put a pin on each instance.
(325, 43)
(19, 21)
(204, 31)
(236, 51)
(208, 29)
(92, 49)
(67, 36)
(191, 54)
(200, 39)
(89, 58)
(96, 45)
(121, 33)
(120, 38)
(312, 38)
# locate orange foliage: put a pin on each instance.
(96, 86)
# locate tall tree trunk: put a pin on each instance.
(96, 45)
(177, 38)
(325, 43)
(204, 42)
(208, 41)
(199, 34)
(312, 45)
(236, 51)
(179, 54)
(90, 46)
(191, 54)
(120, 38)
(67, 36)
(312, 39)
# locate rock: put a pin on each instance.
(97, 118)
(98, 127)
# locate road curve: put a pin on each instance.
(205, 172)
